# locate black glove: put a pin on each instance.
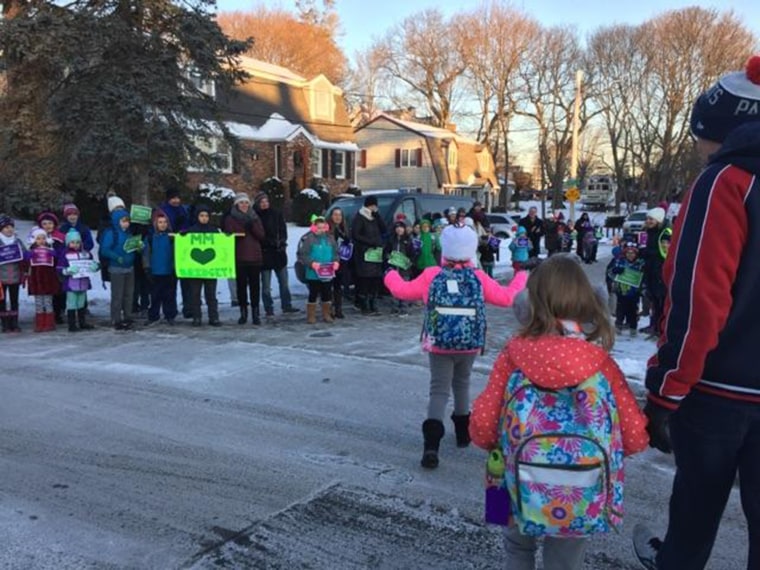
(658, 427)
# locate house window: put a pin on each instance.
(409, 157)
(205, 86)
(339, 164)
(452, 156)
(219, 151)
(316, 162)
(484, 162)
(278, 161)
(322, 104)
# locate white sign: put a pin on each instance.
(84, 267)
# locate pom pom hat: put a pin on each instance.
(114, 202)
(73, 235)
(733, 101)
(657, 214)
(70, 210)
(459, 243)
(241, 197)
(6, 221)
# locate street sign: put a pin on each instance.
(573, 195)
(570, 183)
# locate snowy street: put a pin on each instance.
(281, 446)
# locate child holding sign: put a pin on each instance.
(627, 273)
(12, 269)
(400, 255)
(43, 280)
(76, 265)
(202, 226)
(319, 254)
(118, 245)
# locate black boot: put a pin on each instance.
(338, 305)
(6, 323)
(373, 305)
(255, 316)
(243, 315)
(82, 317)
(363, 304)
(71, 316)
(432, 432)
(462, 429)
(14, 324)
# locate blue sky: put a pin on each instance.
(364, 19)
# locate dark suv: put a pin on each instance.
(414, 205)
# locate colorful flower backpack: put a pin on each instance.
(559, 471)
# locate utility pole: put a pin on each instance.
(576, 130)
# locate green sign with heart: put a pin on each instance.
(205, 256)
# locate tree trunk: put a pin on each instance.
(140, 183)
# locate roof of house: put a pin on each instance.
(468, 171)
(274, 101)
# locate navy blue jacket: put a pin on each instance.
(712, 271)
(158, 255)
(87, 242)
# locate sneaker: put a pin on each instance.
(646, 330)
(291, 310)
(618, 328)
(269, 312)
(122, 326)
(170, 322)
(196, 322)
(646, 546)
(215, 323)
(634, 333)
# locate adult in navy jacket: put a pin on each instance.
(179, 220)
(704, 382)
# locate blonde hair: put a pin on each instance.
(558, 289)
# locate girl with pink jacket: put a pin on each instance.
(454, 331)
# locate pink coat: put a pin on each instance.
(417, 289)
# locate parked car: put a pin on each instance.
(414, 205)
(635, 222)
(503, 224)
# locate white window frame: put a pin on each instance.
(316, 162)
(205, 86)
(218, 148)
(340, 170)
(452, 155)
(409, 158)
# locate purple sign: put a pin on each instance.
(10, 253)
(326, 271)
(43, 256)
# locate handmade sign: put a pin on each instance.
(85, 267)
(494, 242)
(205, 256)
(11, 253)
(133, 243)
(398, 259)
(43, 256)
(140, 214)
(326, 271)
(629, 277)
(346, 250)
(374, 255)
(523, 242)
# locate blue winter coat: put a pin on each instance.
(158, 255)
(112, 244)
(87, 242)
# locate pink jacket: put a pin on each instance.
(417, 289)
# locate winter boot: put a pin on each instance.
(338, 305)
(432, 432)
(363, 304)
(311, 313)
(462, 429)
(373, 306)
(326, 316)
(255, 316)
(71, 317)
(243, 315)
(39, 322)
(82, 316)
(49, 322)
(6, 323)
(14, 328)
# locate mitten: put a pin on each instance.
(658, 426)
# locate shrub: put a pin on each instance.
(305, 204)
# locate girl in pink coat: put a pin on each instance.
(454, 332)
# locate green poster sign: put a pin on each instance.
(140, 214)
(133, 243)
(205, 256)
(630, 277)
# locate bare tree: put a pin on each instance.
(425, 61)
(496, 35)
(364, 87)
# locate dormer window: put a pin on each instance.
(452, 156)
(321, 100)
(220, 151)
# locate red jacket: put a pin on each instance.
(247, 247)
(555, 362)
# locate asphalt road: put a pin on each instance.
(285, 446)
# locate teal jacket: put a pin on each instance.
(112, 243)
(320, 248)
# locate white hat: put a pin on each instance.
(241, 197)
(459, 243)
(35, 232)
(657, 214)
(115, 202)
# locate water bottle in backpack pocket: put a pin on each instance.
(563, 457)
(455, 319)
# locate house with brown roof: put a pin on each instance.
(289, 127)
(398, 153)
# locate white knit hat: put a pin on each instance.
(657, 214)
(35, 232)
(459, 243)
(115, 202)
(241, 197)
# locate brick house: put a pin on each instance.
(399, 153)
(288, 127)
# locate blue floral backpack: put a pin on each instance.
(560, 462)
(456, 312)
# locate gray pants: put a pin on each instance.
(232, 285)
(122, 291)
(266, 288)
(449, 371)
(559, 553)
